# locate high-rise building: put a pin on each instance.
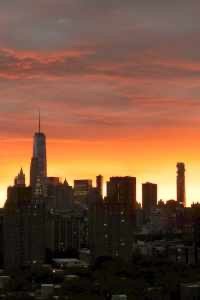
(149, 198)
(122, 190)
(59, 195)
(99, 184)
(23, 229)
(38, 170)
(63, 230)
(111, 228)
(112, 222)
(181, 197)
(81, 190)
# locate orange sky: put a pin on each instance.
(149, 157)
(118, 85)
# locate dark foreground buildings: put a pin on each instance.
(149, 198)
(24, 225)
(33, 228)
(49, 217)
(39, 219)
(112, 221)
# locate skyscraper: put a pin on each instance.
(99, 184)
(112, 222)
(181, 197)
(38, 170)
(149, 198)
(82, 188)
(122, 190)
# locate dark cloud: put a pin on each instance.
(55, 24)
(107, 61)
(108, 66)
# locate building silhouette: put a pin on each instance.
(40, 218)
(38, 170)
(112, 221)
(149, 198)
(99, 184)
(181, 196)
(82, 188)
(33, 228)
(63, 231)
(59, 195)
(20, 179)
(23, 230)
(122, 190)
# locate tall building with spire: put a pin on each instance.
(181, 197)
(38, 170)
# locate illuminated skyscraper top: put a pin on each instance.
(38, 171)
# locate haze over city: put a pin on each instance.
(117, 83)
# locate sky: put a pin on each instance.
(117, 83)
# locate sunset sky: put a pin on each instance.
(118, 85)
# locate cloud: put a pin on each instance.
(111, 67)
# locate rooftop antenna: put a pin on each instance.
(39, 121)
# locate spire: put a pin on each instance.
(39, 121)
(65, 182)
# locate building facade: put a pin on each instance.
(181, 195)
(38, 170)
(122, 190)
(99, 184)
(112, 222)
(149, 198)
(81, 190)
(23, 229)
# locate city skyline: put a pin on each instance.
(40, 145)
(108, 82)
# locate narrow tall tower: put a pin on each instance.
(181, 197)
(99, 184)
(38, 170)
(149, 198)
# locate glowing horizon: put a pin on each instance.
(66, 161)
(118, 85)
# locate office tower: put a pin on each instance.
(59, 195)
(20, 179)
(112, 222)
(122, 190)
(24, 229)
(63, 230)
(149, 198)
(24, 236)
(81, 190)
(181, 197)
(99, 184)
(38, 170)
(111, 229)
